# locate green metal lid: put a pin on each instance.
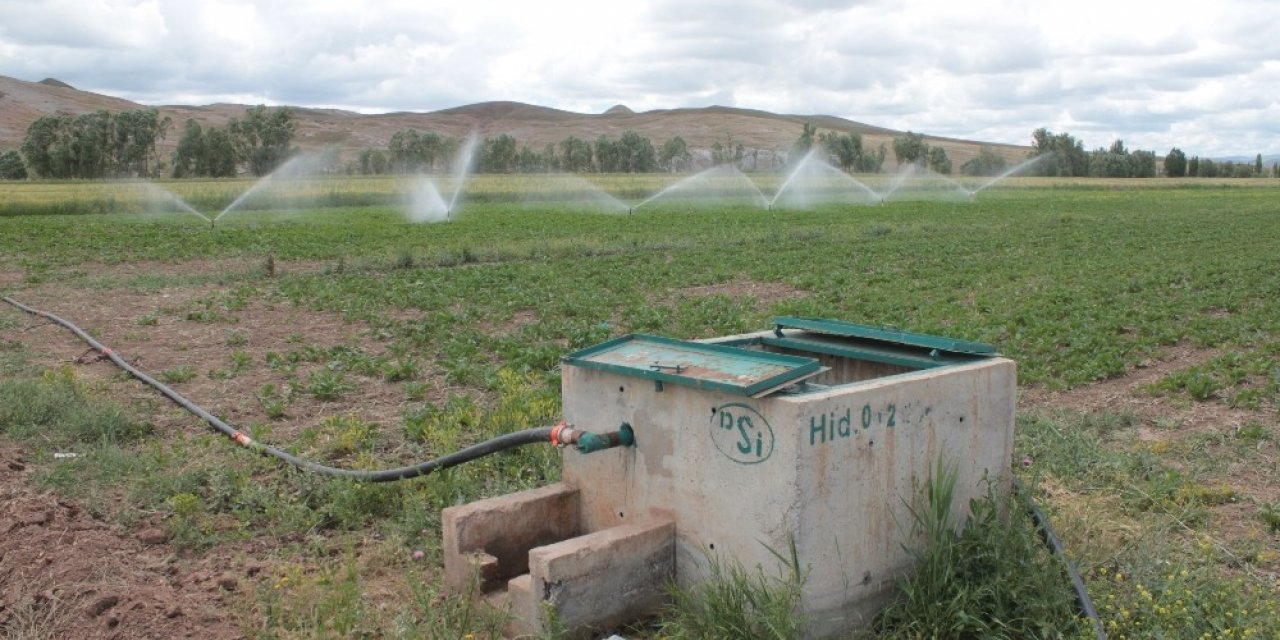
(941, 344)
(696, 364)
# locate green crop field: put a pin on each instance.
(1144, 317)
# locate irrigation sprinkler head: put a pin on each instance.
(631, 211)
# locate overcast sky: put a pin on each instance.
(1203, 76)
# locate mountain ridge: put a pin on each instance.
(22, 102)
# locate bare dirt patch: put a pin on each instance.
(155, 332)
(65, 574)
(1208, 427)
(1159, 416)
(201, 267)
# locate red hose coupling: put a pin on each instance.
(562, 434)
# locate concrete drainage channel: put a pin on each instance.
(812, 436)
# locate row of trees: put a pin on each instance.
(260, 141)
(107, 145)
(1177, 165)
(93, 145)
(1063, 155)
(410, 151)
(102, 144)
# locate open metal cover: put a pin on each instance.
(705, 366)
(940, 344)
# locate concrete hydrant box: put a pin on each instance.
(817, 433)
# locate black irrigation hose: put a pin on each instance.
(1051, 541)
(500, 443)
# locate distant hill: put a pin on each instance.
(1267, 160)
(22, 102)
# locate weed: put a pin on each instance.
(1269, 514)
(416, 391)
(237, 339)
(189, 526)
(57, 412)
(325, 604)
(735, 602)
(437, 615)
(400, 370)
(147, 320)
(36, 618)
(208, 316)
(992, 578)
(1253, 432)
(1173, 600)
(327, 385)
(404, 260)
(273, 402)
(346, 434)
(241, 361)
(179, 374)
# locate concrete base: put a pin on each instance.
(586, 584)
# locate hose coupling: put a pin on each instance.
(564, 435)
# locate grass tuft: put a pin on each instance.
(990, 579)
(736, 602)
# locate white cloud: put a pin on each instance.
(1157, 74)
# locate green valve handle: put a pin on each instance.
(587, 442)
